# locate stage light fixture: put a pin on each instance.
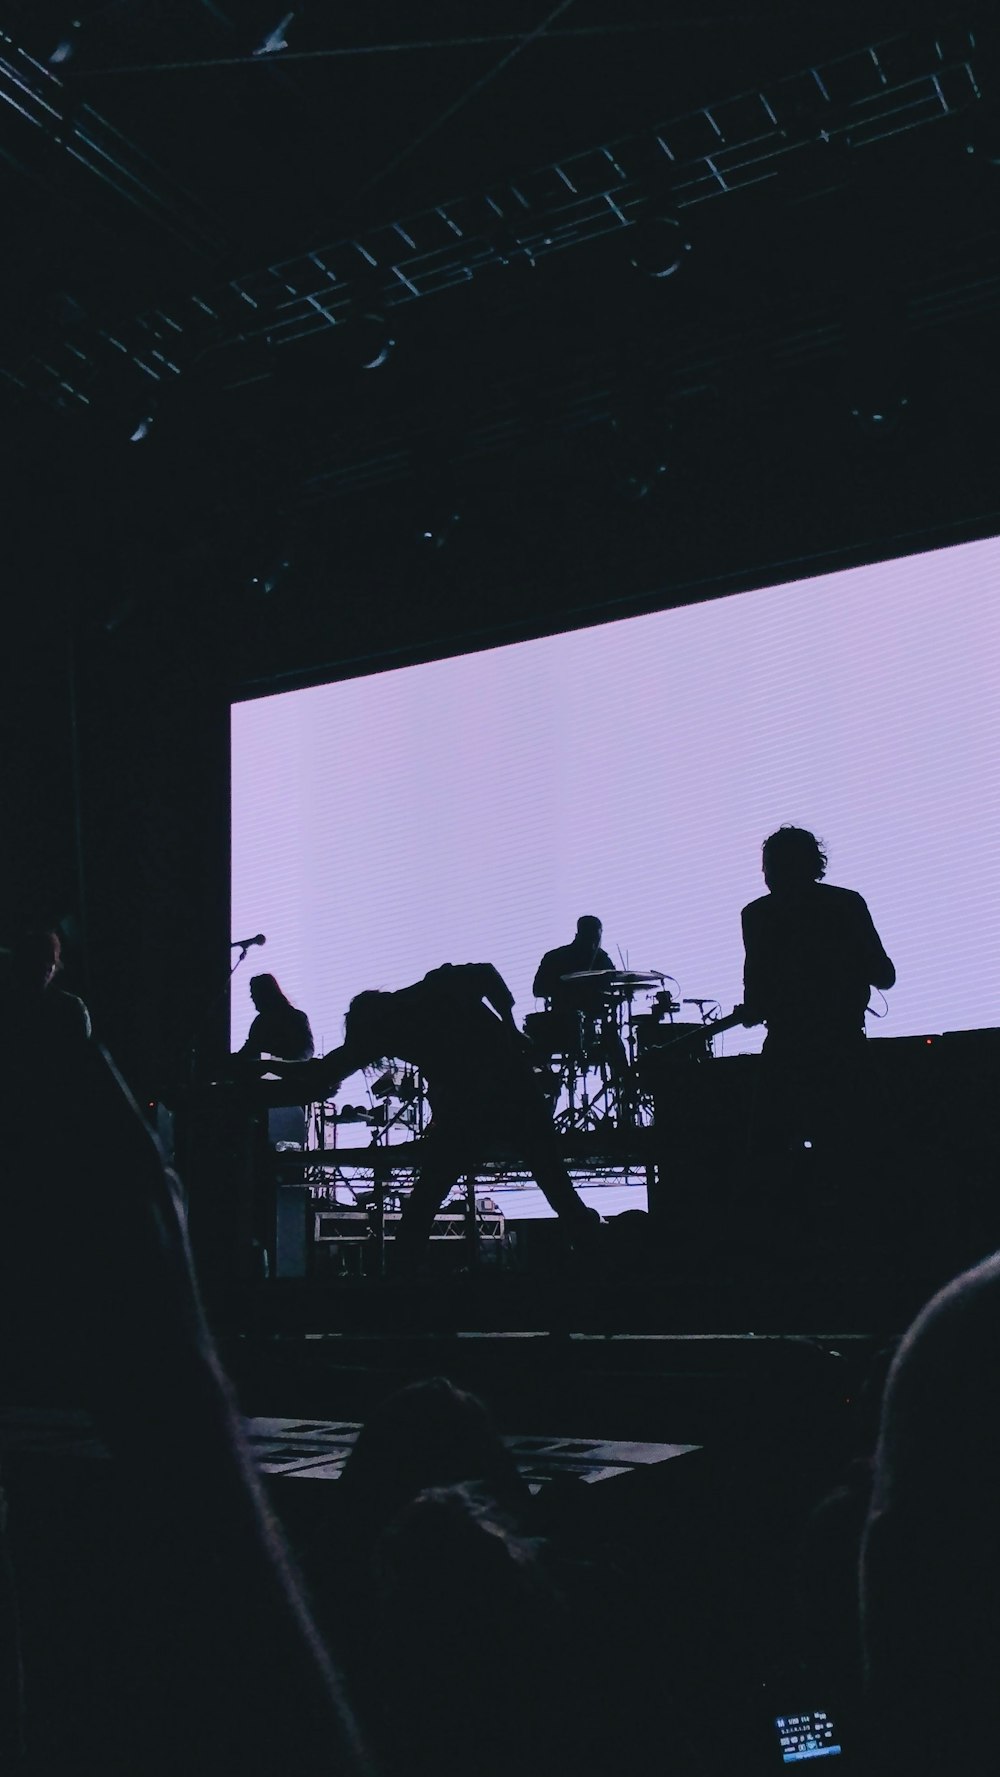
(270, 577)
(65, 49)
(879, 418)
(641, 452)
(982, 137)
(374, 339)
(437, 532)
(639, 481)
(658, 245)
(276, 39)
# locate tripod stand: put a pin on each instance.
(572, 1047)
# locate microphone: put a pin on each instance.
(245, 943)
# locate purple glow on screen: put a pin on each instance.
(470, 809)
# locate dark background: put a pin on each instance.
(212, 489)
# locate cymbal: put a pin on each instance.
(589, 975)
(629, 980)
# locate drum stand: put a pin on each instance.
(573, 1067)
(585, 1113)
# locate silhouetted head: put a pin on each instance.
(458, 1534)
(792, 857)
(589, 931)
(429, 1434)
(265, 993)
(35, 960)
(452, 1555)
(453, 1577)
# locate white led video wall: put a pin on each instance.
(471, 809)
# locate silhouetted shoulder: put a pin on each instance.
(966, 1314)
(752, 909)
(70, 1013)
(833, 896)
(824, 896)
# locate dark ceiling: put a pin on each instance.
(221, 477)
(216, 219)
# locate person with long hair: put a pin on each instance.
(279, 1029)
(457, 1026)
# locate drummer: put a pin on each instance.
(574, 978)
(577, 979)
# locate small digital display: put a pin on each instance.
(810, 1734)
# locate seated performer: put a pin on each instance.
(587, 996)
(812, 955)
(584, 954)
(480, 1086)
(279, 1028)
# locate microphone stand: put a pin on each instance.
(191, 1045)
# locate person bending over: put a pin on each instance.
(457, 1026)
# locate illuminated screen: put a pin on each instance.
(470, 809)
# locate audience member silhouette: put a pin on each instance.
(438, 1577)
(486, 1676)
(428, 1434)
(216, 1663)
(36, 1015)
(812, 955)
(13, 1744)
(930, 1567)
(457, 1026)
(828, 1637)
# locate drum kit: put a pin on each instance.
(590, 1062)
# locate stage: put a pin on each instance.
(699, 1237)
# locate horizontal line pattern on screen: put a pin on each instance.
(472, 808)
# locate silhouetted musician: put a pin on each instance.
(583, 956)
(457, 1026)
(812, 956)
(575, 979)
(279, 1028)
